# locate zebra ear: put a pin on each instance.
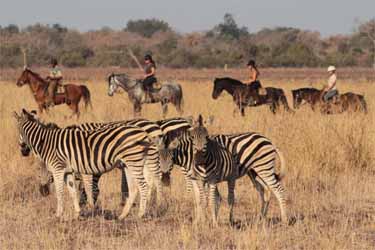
(200, 120)
(210, 120)
(15, 115)
(190, 120)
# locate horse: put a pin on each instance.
(347, 102)
(72, 93)
(303, 95)
(169, 93)
(247, 95)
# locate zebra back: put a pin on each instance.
(88, 152)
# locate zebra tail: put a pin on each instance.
(281, 174)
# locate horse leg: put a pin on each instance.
(273, 108)
(164, 106)
(74, 107)
(137, 109)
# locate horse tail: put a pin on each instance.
(178, 99)
(284, 101)
(363, 104)
(86, 96)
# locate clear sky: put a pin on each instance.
(326, 16)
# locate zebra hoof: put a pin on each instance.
(44, 190)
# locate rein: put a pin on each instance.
(121, 84)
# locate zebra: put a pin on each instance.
(227, 158)
(167, 128)
(67, 151)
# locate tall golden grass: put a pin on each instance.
(330, 180)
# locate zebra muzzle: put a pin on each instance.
(44, 190)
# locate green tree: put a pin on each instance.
(147, 27)
(229, 29)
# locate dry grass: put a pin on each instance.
(330, 181)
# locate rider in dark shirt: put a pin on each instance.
(149, 77)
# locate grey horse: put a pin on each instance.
(169, 93)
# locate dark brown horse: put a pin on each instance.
(72, 93)
(247, 95)
(347, 102)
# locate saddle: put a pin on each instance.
(156, 86)
(59, 90)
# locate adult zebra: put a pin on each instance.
(168, 129)
(227, 158)
(67, 151)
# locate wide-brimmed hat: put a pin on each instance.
(331, 68)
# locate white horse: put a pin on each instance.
(168, 93)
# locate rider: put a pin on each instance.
(330, 89)
(149, 77)
(254, 74)
(55, 77)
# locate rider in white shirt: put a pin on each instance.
(331, 89)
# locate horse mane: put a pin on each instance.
(229, 79)
(36, 75)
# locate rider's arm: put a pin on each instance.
(331, 83)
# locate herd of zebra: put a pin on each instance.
(146, 152)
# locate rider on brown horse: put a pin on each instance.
(54, 78)
(330, 90)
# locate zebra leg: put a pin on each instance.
(133, 192)
(189, 184)
(124, 187)
(88, 185)
(200, 199)
(231, 186)
(69, 180)
(152, 164)
(275, 186)
(58, 176)
(264, 193)
(214, 203)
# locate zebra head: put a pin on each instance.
(22, 139)
(199, 137)
(166, 156)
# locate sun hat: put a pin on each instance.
(331, 68)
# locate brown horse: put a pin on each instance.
(347, 102)
(72, 93)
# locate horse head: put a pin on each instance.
(218, 88)
(297, 98)
(24, 78)
(112, 84)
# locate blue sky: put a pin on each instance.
(326, 16)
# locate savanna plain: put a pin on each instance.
(330, 177)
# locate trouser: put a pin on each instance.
(330, 94)
(148, 82)
(51, 91)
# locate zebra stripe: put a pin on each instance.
(253, 155)
(70, 150)
(227, 158)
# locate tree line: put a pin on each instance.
(225, 44)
